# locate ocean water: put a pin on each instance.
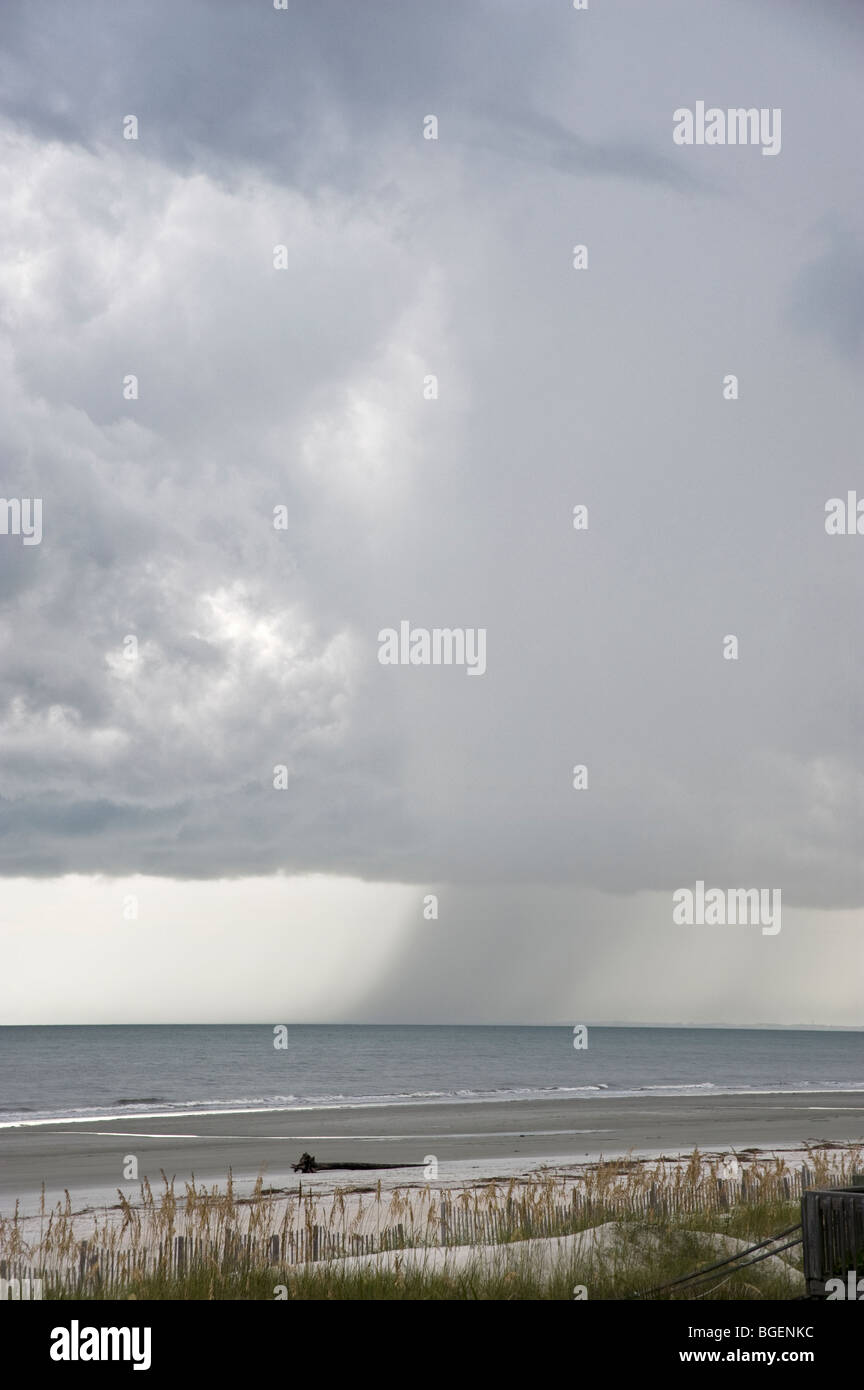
(82, 1073)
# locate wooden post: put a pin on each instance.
(445, 1220)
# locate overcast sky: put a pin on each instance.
(303, 388)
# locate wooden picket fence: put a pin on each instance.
(450, 1221)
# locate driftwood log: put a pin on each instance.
(308, 1164)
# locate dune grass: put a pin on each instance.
(209, 1243)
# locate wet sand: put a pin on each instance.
(468, 1139)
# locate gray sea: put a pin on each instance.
(87, 1072)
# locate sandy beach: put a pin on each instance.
(470, 1140)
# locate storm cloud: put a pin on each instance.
(301, 390)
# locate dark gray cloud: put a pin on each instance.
(303, 387)
(311, 96)
(828, 296)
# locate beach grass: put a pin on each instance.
(647, 1223)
